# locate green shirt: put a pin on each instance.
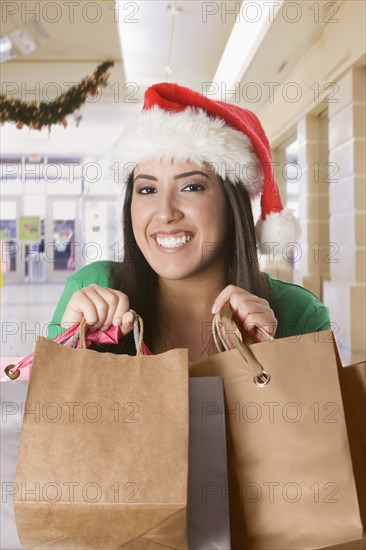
(296, 309)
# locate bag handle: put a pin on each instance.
(75, 337)
(13, 371)
(138, 333)
(222, 326)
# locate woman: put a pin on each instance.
(190, 166)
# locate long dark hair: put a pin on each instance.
(139, 282)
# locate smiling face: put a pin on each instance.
(179, 217)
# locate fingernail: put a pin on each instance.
(130, 318)
(117, 322)
(215, 308)
(126, 326)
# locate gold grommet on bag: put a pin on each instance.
(262, 379)
(12, 375)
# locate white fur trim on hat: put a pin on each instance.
(277, 231)
(189, 135)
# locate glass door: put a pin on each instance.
(10, 250)
(32, 235)
(62, 230)
(102, 229)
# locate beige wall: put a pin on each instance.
(341, 46)
(331, 132)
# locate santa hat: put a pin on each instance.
(181, 124)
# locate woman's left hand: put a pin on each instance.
(252, 311)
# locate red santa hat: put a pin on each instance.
(181, 124)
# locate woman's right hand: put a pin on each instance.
(101, 307)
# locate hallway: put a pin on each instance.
(26, 311)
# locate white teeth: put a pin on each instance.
(173, 242)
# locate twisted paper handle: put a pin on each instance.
(222, 327)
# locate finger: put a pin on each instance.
(247, 307)
(257, 325)
(235, 295)
(266, 333)
(80, 305)
(118, 304)
(99, 306)
(122, 308)
(225, 296)
(127, 323)
(253, 314)
(244, 301)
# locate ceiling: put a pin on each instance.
(149, 41)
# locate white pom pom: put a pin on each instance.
(276, 232)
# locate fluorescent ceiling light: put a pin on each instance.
(6, 46)
(251, 25)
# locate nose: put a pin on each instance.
(167, 210)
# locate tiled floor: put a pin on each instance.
(26, 311)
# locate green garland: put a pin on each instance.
(37, 116)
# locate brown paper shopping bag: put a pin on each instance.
(353, 387)
(103, 458)
(291, 478)
(208, 513)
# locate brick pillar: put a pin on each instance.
(345, 292)
(312, 267)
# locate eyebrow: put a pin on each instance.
(178, 177)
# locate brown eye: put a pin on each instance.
(194, 187)
(146, 190)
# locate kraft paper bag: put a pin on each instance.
(353, 387)
(208, 513)
(291, 477)
(103, 459)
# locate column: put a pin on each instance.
(312, 267)
(345, 292)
